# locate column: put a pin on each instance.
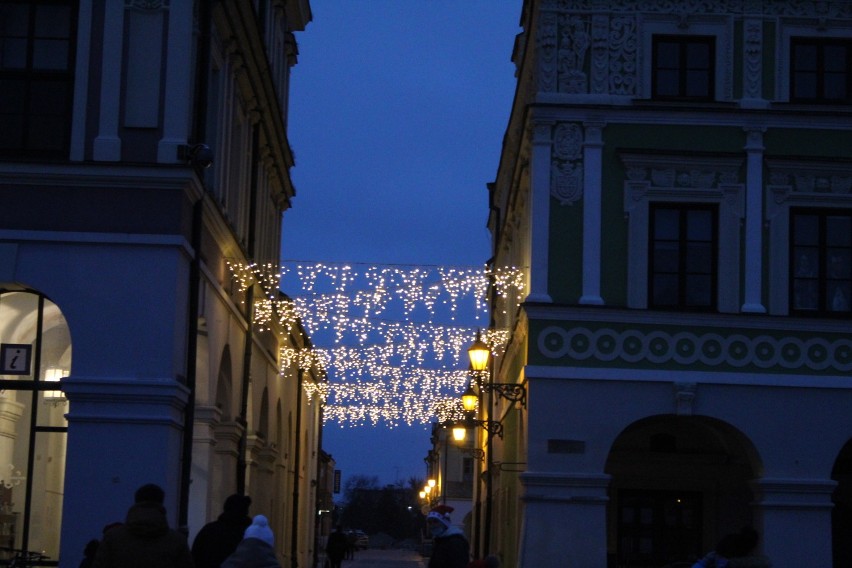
(564, 520)
(539, 213)
(754, 222)
(107, 144)
(179, 71)
(592, 189)
(800, 507)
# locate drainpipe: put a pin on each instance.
(242, 462)
(297, 450)
(193, 308)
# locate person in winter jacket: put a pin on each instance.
(218, 539)
(450, 548)
(336, 547)
(145, 539)
(256, 549)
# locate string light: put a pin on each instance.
(376, 366)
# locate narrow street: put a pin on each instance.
(390, 558)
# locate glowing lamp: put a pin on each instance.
(478, 353)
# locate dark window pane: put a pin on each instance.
(699, 290)
(835, 58)
(667, 84)
(699, 258)
(697, 84)
(53, 21)
(14, 20)
(666, 257)
(12, 96)
(47, 132)
(11, 131)
(838, 231)
(698, 56)
(805, 262)
(668, 55)
(699, 226)
(48, 97)
(666, 224)
(834, 87)
(806, 230)
(50, 54)
(805, 57)
(805, 86)
(839, 263)
(13, 53)
(838, 294)
(805, 296)
(665, 290)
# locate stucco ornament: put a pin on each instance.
(566, 181)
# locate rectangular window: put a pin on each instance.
(683, 250)
(36, 77)
(820, 70)
(683, 68)
(656, 528)
(820, 261)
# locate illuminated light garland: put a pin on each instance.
(382, 377)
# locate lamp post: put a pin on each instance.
(479, 355)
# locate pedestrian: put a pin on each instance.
(89, 553)
(336, 547)
(144, 540)
(735, 550)
(351, 544)
(450, 548)
(256, 550)
(219, 539)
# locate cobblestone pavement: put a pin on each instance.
(377, 558)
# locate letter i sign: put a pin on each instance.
(15, 358)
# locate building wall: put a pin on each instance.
(161, 161)
(727, 410)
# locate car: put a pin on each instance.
(362, 541)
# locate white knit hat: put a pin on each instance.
(259, 529)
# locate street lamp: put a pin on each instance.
(478, 354)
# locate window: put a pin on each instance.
(683, 256)
(821, 261)
(683, 68)
(820, 70)
(658, 527)
(36, 77)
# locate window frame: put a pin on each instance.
(821, 278)
(820, 43)
(30, 75)
(683, 241)
(684, 41)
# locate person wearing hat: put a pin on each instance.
(218, 539)
(256, 549)
(144, 540)
(450, 548)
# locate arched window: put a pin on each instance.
(35, 354)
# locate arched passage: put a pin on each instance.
(678, 484)
(841, 514)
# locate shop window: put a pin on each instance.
(683, 251)
(683, 68)
(820, 262)
(35, 354)
(36, 77)
(820, 70)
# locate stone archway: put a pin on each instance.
(841, 514)
(678, 483)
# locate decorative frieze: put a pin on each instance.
(150, 5)
(799, 8)
(718, 350)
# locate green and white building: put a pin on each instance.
(675, 178)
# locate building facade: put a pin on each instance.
(143, 155)
(676, 183)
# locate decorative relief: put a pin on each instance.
(753, 56)
(566, 181)
(600, 53)
(686, 348)
(803, 8)
(574, 42)
(803, 180)
(146, 4)
(547, 43)
(623, 64)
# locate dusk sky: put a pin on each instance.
(397, 115)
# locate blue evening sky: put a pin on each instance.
(397, 115)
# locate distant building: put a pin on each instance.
(677, 185)
(451, 465)
(143, 149)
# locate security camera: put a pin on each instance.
(199, 155)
